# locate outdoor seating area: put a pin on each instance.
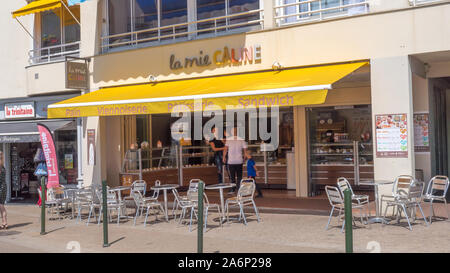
(406, 200)
(139, 205)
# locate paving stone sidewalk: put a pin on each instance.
(275, 233)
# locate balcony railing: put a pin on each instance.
(53, 53)
(424, 2)
(317, 10)
(237, 22)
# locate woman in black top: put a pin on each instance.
(218, 147)
(3, 193)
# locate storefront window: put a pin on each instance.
(50, 29)
(341, 145)
(210, 9)
(119, 19)
(174, 12)
(193, 158)
(66, 148)
(307, 9)
(240, 6)
(146, 17)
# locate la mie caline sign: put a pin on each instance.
(222, 57)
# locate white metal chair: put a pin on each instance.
(84, 198)
(244, 198)
(113, 204)
(343, 185)
(185, 204)
(411, 201)
(148, 204)
(399, 190)
(437, 190)
(207, 207)
(50, 203)
(193, 185)
(337, 202)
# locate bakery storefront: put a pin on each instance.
(312, 109)
(21, 146)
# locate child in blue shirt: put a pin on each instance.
(252, 172)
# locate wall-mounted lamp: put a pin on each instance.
(276, 66)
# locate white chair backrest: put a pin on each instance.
(193, 184)
(192, 195)
(139, 185)
(415, 191)
(343, 185)
(334, 195)
(401, 185)
(137, 196)
(438, 184)
(246, 190)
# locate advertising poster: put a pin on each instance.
(91, 146)
(391, 135)
(421, 137)
(68, 161)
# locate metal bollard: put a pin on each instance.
(105, 214)
(43, 195)
(200, 218)
(348, 221)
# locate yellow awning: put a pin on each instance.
(37, 6)
(300, 86)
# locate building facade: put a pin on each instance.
(382, 114)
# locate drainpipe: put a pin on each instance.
(80, 149)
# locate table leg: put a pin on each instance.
(378, 218)
(222, 205)
(165, 205)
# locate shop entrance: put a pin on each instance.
(440, 128)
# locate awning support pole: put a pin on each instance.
(67, 8)
(26, 30)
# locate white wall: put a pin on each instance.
(421, 104)
(392, 94)
(15, 44)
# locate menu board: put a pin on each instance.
(391, 135)
(421, 137)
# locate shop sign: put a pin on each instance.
(76, 75)
(221, 57)
(91, 146)
(392, 135)
(421, 136)
(20, 110)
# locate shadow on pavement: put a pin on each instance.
(19, 225)
(56, 229)
(120, 239)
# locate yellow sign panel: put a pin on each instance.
(239, 102)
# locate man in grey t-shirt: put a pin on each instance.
(236, 149)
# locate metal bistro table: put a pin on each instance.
(378, 218)
(221, 186)
(119, 190)
(165, 188)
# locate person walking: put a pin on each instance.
(218, 146)
(236, 150)
(252, 172)
(3, 193)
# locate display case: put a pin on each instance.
(171, 165)
(271, 165)
(329, 161)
